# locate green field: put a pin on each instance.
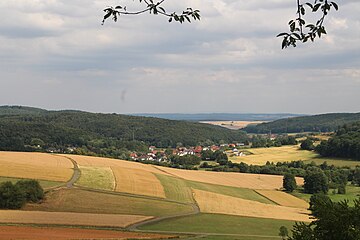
(77, 200)
(180, 190)
(176, 188)
(222, 224)
(45, 184)
(259, 156)
(352, 193)
(97, 177)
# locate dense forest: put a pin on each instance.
(22, 129)
(317, 123)
(345, 143)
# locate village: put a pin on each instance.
(162, 155)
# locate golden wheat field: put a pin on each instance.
(89, 161)
(283, 199)
(35, 165)
(241, 180)
(66, 218)
(137, 182)
(222, 204)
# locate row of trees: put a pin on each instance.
(14, 196)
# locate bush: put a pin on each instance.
(14, 196)
(11, 197)
(32, 190)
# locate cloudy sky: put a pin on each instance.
(55, 54)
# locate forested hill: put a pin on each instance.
(324, 123)
(20, 110)
(60, 129)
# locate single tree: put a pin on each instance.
(32, 190)
(315, 181)
(289, 182)
(307, 144)
(283, 232)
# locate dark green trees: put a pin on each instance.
(11, 197)
(333, 221)
(315, 181)
(14, 196)
(289, 182)
(307, 144)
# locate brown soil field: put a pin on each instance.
(46, 233)
(222, 204)
(241, 180)
(35, 166)
(283, 199)
(66, 218)
(109, 162)
(137, 182)
(232, 124)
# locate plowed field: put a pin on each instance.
(36, 233)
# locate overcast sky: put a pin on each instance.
(55, 54)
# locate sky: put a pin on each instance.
(55, 54)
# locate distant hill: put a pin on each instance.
(95, 132)
(220, 116)
(324, 123)
(20, 110)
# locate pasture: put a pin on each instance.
(97, 177)
(222, 204)
(66, 218)
(40, 166)
(61, 233)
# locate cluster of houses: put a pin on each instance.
(162, 155)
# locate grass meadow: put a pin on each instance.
(97, 177)
(44, 184)
(222, 224)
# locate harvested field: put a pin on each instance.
(240, 180)
(97, 177)
(137, 181)
(109, 162)
(284, 199)
(66, 218)
(221, 204)
(40, 166)
(232, 124)
(46, 233)
(260, 156)
(83, 201)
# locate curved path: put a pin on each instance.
(76, 174)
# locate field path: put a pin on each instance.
(196, 210)
(76, 174)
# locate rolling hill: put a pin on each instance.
(105, 134)
(317, 123)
